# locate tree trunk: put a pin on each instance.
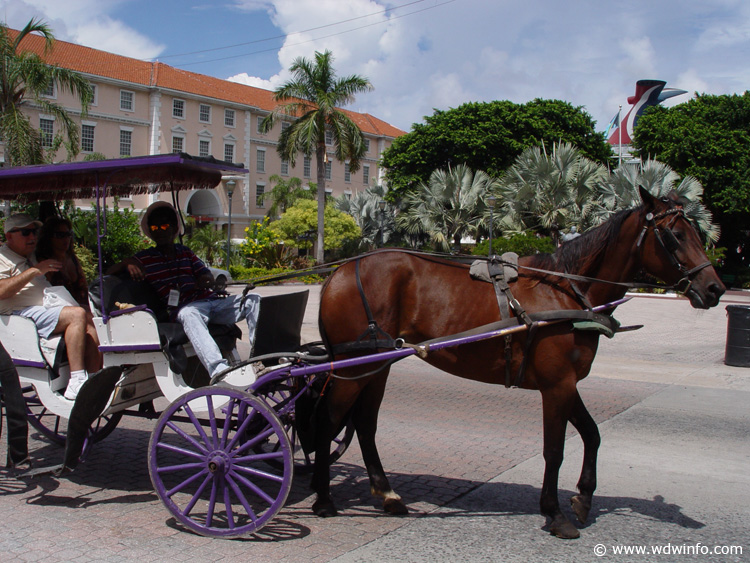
(320, 157)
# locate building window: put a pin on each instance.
(87, 138)
(49, 91)
(285, 125)
(329, 137)
(228, 153)
(229, 118)
(178, 144)
(285, 168)
(94, 94)
(204, 148)
(178, 108)
(328, 170)
(204, 113)
(366, 174)
(259, 124)
(260, 189)
(47, 127)
(260, 160)
(347, 173)
(306, 167)
(126, 142)
(367, 145)
(127, 100)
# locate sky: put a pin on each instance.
(422, 55)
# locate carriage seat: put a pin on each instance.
(171, 334)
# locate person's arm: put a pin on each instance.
(132, 265)
(204, 279)
(10, 286)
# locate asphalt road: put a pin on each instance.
(674, 469)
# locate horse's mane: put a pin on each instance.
(585, 253)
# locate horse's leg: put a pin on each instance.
(586, 426)
(365, 417)
(340, 395)
(557, 403)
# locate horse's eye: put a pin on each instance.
(678, 235)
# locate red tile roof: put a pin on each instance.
(108, 65)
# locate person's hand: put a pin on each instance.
(50, 265)
(135, 270)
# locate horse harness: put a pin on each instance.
(497, 268)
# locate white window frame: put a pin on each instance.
(329, 170)
(132, 100)
(130, 141)
(329, 138)
(52, 95)
(181, 139)
(367, 145)
(260, 161)
(200, 144)
(307, 167)
(201, 107)
(347, 173)
(176, 112)
(92, 125)
(366, 174)
(260, 190)
(48, 138)
(284, 167)
(95, 96)
(227, 119)
(226, 145)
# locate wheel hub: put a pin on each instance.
(218, 462)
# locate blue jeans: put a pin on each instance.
(195, 317)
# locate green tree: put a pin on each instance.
(301, 219)
(24, 78)
(708, 138)
(285, 194)
(544, 192)
(487, 136)
(123, 236)
(312, 99)
(209, 244)
(448, 207)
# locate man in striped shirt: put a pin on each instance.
(185, 284)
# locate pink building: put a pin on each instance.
(143, 108)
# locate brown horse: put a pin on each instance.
(421, 297)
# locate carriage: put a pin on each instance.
(224, 451)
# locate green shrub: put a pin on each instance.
(522, 244)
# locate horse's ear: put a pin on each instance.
(649, 201)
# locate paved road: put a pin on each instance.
(674, 469)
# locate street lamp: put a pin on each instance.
(491, 204)
(381, 206)
(230, 190)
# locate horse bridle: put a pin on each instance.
(669, 243)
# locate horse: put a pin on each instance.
(420, 297)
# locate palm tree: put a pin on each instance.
(448, 207)
(546, 192)
(208, 244)
(24, 77)
(378, 225)
(658, 178)
(312, 98)
(285, 194)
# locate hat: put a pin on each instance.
(19, 221)
(153, 207)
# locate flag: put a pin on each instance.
(613, 124)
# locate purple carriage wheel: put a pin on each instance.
(54, 427)
(204, 466)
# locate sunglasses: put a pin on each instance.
(62, 234)
(163, 227)
(26, 232)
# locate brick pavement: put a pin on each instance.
(440, 437)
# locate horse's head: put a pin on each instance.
(671, 250)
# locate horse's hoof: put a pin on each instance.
(581, 506)
(564, 529)
(395, 506)
(325, 509)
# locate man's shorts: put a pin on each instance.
(44, 318)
